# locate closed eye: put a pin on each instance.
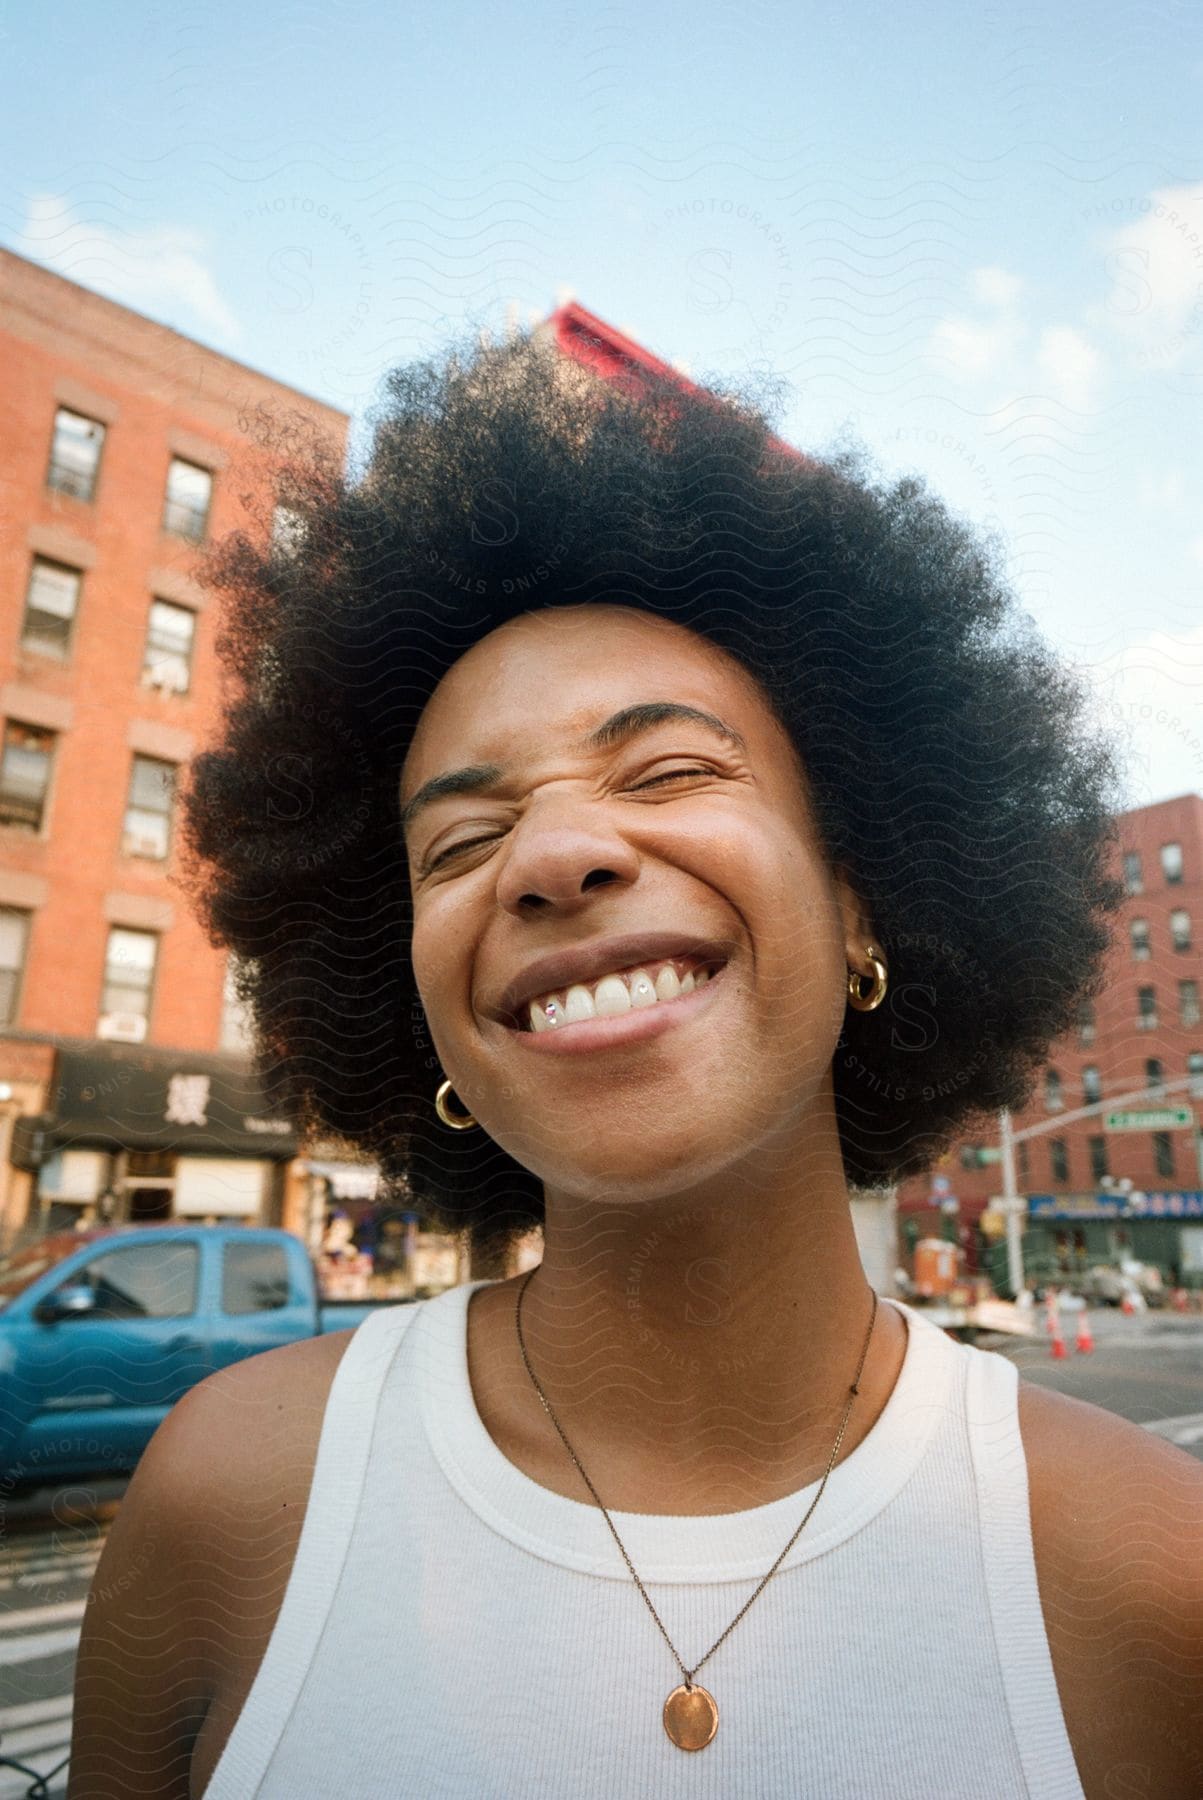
(474, 843)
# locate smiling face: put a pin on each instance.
(563, 853)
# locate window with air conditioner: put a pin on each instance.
(147, 827)
(26, 761)
(167, 654)
(129, 971)
(14, 942)
(1146, 1009)
(1154, 1074)
(1139, 931)
(1180, 929)
(1171, 862)
(1053, 1100)
(51, 605)
(1087, 1026)
(75, 454)
(1133, 879)
(1194, 1069)
(187, 500)
(1188, 1002)
(1092, 1086)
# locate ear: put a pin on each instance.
(857, 924)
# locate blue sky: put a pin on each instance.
(973, 238)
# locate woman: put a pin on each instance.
(629, 828)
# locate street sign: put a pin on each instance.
(1150, 1118)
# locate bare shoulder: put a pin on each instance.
(193, 1574)
(1117, 1528)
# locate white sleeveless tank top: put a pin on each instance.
(453, 1631)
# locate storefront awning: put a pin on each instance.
(145, 1099)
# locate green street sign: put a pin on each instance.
(1150, 1118)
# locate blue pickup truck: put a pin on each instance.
(102, 1331)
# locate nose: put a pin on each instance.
(558, 854)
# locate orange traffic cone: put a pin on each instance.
(1084, 1343)
(1125, 1304)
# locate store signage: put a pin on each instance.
(137, 1098)
(1150, 1118)
(1185, 1205)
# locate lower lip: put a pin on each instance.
(619, 1029)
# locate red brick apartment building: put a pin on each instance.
(1099, 1187)
(123, 1087)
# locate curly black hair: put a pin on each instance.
(953, 762)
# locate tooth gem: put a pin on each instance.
(613, 994)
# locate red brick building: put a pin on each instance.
(1096, 1192)
(119, 1039)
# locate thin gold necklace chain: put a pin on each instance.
(690, 1673)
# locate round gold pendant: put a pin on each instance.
(690, 1717)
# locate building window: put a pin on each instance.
(1052, 1091)
(1163, 1153)
(1154, 1074)
(129, 972)
(75, 454)
(1098, 1157)
(1188, 1002)
(1194, 1068)
(1171, 863)
(14, 939)
(25, 765)
(1133, 879)
(1086, 1022)
(147, 830)
(167, 657)
(1180, 930)
(1023, 1161)
(1092, 1087)
(235, 1033)
(1146, 1009)
(1140, 940)
(1058, 1154)
(51, 603)
(189, 494)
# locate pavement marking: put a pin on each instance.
(37, 1644)
(41, 1615)
(1187, 1429)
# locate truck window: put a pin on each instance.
(143, 1281)
(254, 1277)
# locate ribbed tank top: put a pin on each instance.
(452, 1630)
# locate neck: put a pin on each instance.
(697, 1353)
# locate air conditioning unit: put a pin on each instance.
(168, 676)
(136, 843)
(126, 1028)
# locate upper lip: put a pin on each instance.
(585, 962)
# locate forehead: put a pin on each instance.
(550, 675)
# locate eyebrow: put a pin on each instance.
(619, 728)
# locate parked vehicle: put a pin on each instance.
(102, 1331)
(1108, 1285)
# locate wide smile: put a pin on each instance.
(618, 1030)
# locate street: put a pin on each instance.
(1148, 1368)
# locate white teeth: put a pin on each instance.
(668, 985)
(578, 1004)
(643, 992)
(611, 996)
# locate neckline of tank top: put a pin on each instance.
(732, 1546)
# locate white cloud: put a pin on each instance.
(1196, 550)
(973, 349)
(996, 287)
(1151, 694)
(1070, 363)
(1154, 277)
(159, 270)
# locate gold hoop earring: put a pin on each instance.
(457, 1121)
(856, 997)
